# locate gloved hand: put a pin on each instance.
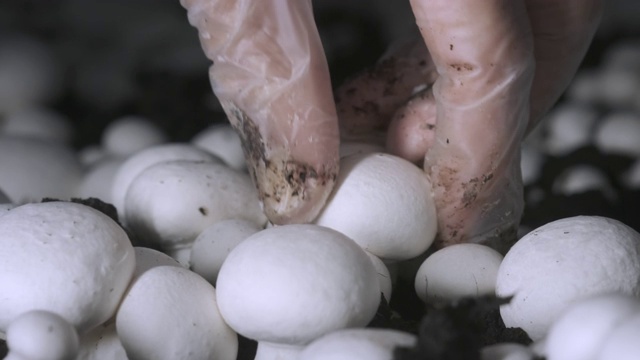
(462, 98)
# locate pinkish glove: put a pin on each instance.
(491, 70)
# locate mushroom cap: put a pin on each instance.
(65, 258)
(172, 202)
(41, 335)
(622, 343)
(458, 271)
(98, 180)
(384, 203)
(29, 73)
(171, 313)
(143, 159)
(224, 142)
(293, 283)
(101, 343)
(562, 262)
(618, 133)
(147, 258)
(129, 134)
(213, 245)
(31, 169)
(348, 344)
(583, 327)
(384, 276)
(569, 127)
(506, 351)
(37, 122)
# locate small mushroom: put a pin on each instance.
(65, 258)
(37, 122)
(507, 351)
(457, 271)
(171, 203)
(127, 135)
(171, 313)
(143, 159)
(214, 244)
(41, 335)
(97, 181)
(31, 169)
(562, 262)
(581, 330)
(618, 133)
(223, 142)
(384, 203)
(568, 128)
(288, 285)
(369, 344)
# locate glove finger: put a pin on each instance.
(483, 51)
(271, 77)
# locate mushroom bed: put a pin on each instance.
(130, 228)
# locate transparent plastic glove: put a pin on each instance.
(467, 122)
(271, 77)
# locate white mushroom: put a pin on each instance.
(569, 127)
(171, 203)
(65, 258)
(41, 335)
(384, 276)
(136, 163)
(507, 351)
(622, 343)
(97, 181)
(91, 154)
(457, 271)
(212, 246)
(288, 285)
(562, 262)
(101, 343)
(580, 331)
(224, 142)
(37, 122)
(29, 74)
(129, 134)
(171, 313)
(350, 344)
(579, 179)
(31, 169)
(384, 203)
(618, 133)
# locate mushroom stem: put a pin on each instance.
(274, 351)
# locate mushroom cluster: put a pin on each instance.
(185, 266)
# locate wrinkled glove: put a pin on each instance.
(462, 97)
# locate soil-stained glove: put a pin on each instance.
(492, 69)
(272, 79)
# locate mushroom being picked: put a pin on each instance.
(350, 344)
(171, 313)
(288, 285)
(169, 204)
(65, 258)
(562, 262)
(458, 271)
(384, 203)
(41, 335)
